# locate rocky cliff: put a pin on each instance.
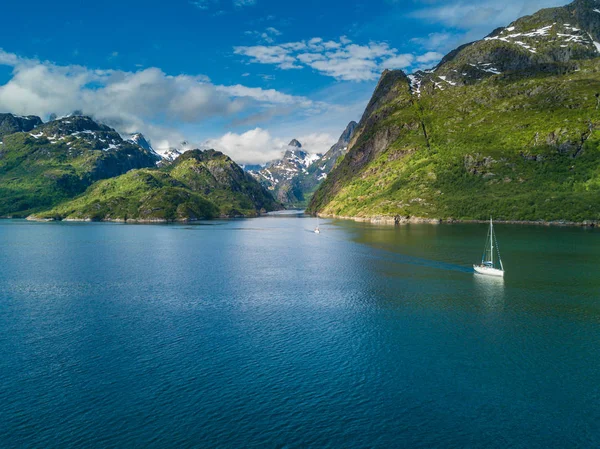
(282, 176)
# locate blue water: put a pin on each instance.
(260, 333)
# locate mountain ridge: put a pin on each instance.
(295, 176)
(199, 184)
(43, 164)
(496, 126)
(76, 168)
(281, 175)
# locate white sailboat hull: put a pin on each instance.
(488, 270)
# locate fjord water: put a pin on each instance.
(260, 333)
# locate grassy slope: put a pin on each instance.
(198, 185)
(504, 146)
(138, 195)
(35, 174)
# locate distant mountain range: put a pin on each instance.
(508, 125)
(295, 176)
(76, 168)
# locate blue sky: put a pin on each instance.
(244, 76)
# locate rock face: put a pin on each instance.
(139, 140)
(60, 159)
(549, 41)
(318, 171)
(295, 177)
(282, 176)
(508, 125)
(10, 124)
(198, 184)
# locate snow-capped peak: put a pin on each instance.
(140, 140)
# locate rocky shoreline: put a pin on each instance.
(400, 220)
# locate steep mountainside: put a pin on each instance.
(139, 140)
(282, 176)
(10, 124)
(312, 177)
(294, 178)
(509, 126)
(198, 184)
(42, 166)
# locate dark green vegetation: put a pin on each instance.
(75, 168)
(199, 184)
(508, 126)
(41, 167)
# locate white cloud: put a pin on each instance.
(430, 56)
(203, 4)
(278, 55)
(274, 31)
(271, 96)
(254, 146)
(342, 59)
(242, 3)
(469, 14)
(267, 36)
(435, 41)
(317, 142)
(147, 100)
(398, 61)
(259, 146)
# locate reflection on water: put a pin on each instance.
(491, 290)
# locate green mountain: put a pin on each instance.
(44, 164)
(508, 125)
(197, 185)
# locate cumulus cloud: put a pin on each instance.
(341, 59)
(278, 55)
(259, 146)
(147, 100)
(317, 142)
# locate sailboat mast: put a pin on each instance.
(491, 241)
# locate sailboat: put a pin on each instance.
(488, 264)
(317, 230)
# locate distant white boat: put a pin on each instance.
(488, 265)
(317, 230)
